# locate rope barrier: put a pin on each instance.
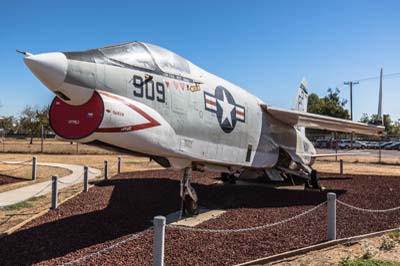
(70, 182)
(24, 164)
(367, 210)
(117, 244)
(28, 198)
(93, 172)
(185, 228)
(134, 236)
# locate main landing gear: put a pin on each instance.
(231, 178)
(189, 204)
(313, 182)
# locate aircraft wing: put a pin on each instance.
(310, 120)
(339, 154)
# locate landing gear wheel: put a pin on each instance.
(232, 179)
(307, 184)
(224, 177)
(190, 207)
(315, 180)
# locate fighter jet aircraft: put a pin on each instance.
(145, 99)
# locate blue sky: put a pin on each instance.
(263, 46)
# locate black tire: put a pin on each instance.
(225, 177)
(314, 180)
(190, 207)
(232, 179)
(307, 184)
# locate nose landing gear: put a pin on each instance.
(189, 203)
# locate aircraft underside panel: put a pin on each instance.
(267, 152)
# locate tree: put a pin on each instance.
(330, 105)
(8, 124)
(373, 119)
(28, 122)
(42, 116)
(32, 120)
(396, 128)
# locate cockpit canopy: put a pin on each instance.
(147, 56)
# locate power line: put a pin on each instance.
(392, 75)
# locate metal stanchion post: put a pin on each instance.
(85, 179)
(119, 165)
(331, 216)
(158, 244)
(54, 193)
(341, 166)
(380, 152)
(105, 170)
(34, 168)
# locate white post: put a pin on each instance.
(331, 216)
(34, 168)
(54, 193)
(85, 179)
(119, 165)
(158, 244)
(105, 170)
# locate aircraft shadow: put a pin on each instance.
(133, 203)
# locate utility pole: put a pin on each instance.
(351, 83)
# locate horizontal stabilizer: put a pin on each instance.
(309, 120)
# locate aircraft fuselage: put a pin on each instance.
(167, 108)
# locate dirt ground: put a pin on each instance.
(16, 214)
(128, 163)
(364, 156)
(50, 146)
(356, 167)
(386, 247)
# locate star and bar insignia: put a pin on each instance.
(224, 106)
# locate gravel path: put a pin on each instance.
(114, 210)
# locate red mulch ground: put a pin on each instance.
(6, 179)
(113, 210)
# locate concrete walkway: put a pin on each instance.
(20, 194)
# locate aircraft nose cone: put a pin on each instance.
(49, 68)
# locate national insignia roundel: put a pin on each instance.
(223, 104)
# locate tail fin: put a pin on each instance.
(301, 100)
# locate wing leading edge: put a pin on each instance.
(309, 120)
